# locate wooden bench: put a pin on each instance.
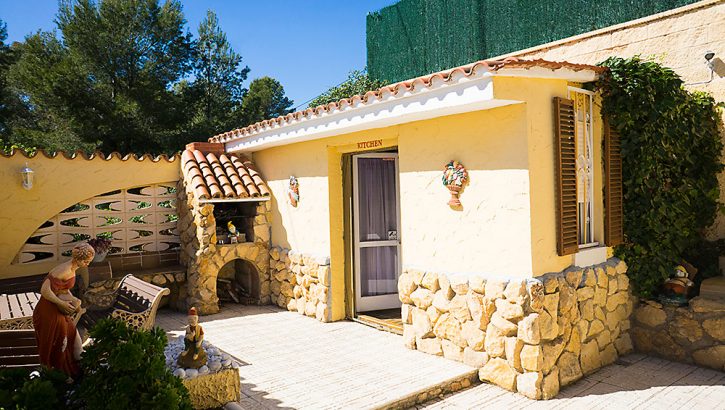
(134, 301)
(18, 348)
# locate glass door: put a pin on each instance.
(376, 224)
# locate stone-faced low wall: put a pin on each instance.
(695, 333)
(301, 283)
(99, 293)
(527, 335)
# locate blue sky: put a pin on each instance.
(308, 46)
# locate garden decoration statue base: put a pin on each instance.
(193, 355)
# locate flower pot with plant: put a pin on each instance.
(101, 246)
(454, 177)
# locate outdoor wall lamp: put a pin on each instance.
(27, 175)
(709, 56)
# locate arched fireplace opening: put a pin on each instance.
(238, 282)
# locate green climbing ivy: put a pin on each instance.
(671, 147)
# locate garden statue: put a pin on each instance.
(59, 344)
(193, 356)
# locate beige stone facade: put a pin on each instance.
(204, 258)
(695, 333)
(532, 336)
(301, 283)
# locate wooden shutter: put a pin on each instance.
(613, 212)
(566, 206)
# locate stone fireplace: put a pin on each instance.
(218, 189)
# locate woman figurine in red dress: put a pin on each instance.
(59, 344)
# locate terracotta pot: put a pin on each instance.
(455, 190)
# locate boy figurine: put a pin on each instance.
(192, 344)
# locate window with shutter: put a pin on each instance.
(613, 212)
(566, 176)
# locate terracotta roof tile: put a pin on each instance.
(400, 89)
(226, 176)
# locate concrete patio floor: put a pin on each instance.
(634, 382)
(292, 361)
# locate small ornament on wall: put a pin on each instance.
(293, 191)
(454, 177)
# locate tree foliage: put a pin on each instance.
(126, 76)
(216, 93)
(358, 82)
(671, 151)
(264, 100)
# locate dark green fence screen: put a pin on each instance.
(417, 37)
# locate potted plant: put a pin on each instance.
(101, 246)
(454, 176)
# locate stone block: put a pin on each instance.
(548, 326)
(421, 323)
(608, 355)
(495, 288)
(214, 390)
(535, 290)
(458, 307)
(715, 328)
(604, 338)
(504, 326)
(551, 284)
(474, 358)
(475, 337)
(650, 316)
(532, 358)
(589, 278)
(515, 291)
(702, 305)
(713, 357)
(430, 281)
(422, 298)
(616, 300)
(567, 298)
(441, 300)
(495, 341)
(406, 286)
(574, 277)
(685, 329)
(477, 283)
(322, 312)
(569, 369)
(500, 373)
(528, 329)
(590, 358)
(550, 385)
(551, 353)
(595, 328)
(512, 347)
(459, 284)
(451, 350)
(433, 314)
(585, 293)
(529, 384)
(509, 310)
(429, 345)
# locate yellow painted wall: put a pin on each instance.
(676, 38)
(491, 233)
(60, 183)
(542, 172)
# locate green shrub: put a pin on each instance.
(126, 369)
(671, 150)
(44, 389)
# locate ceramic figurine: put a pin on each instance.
(232, 229)
(193, 356)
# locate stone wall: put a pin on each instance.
(532, 336)
(203, 257)
(695, 333)
(99, 293)
(301, 283)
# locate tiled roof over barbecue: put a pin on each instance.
(215, 175)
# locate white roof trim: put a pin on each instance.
(460, 94)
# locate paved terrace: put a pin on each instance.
(292, 361)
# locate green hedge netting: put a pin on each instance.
(417, 37)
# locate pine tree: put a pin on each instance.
(264, 100)
(217, 91)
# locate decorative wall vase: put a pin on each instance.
(454, 177)
(293, 191)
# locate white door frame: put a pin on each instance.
(392, 300)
